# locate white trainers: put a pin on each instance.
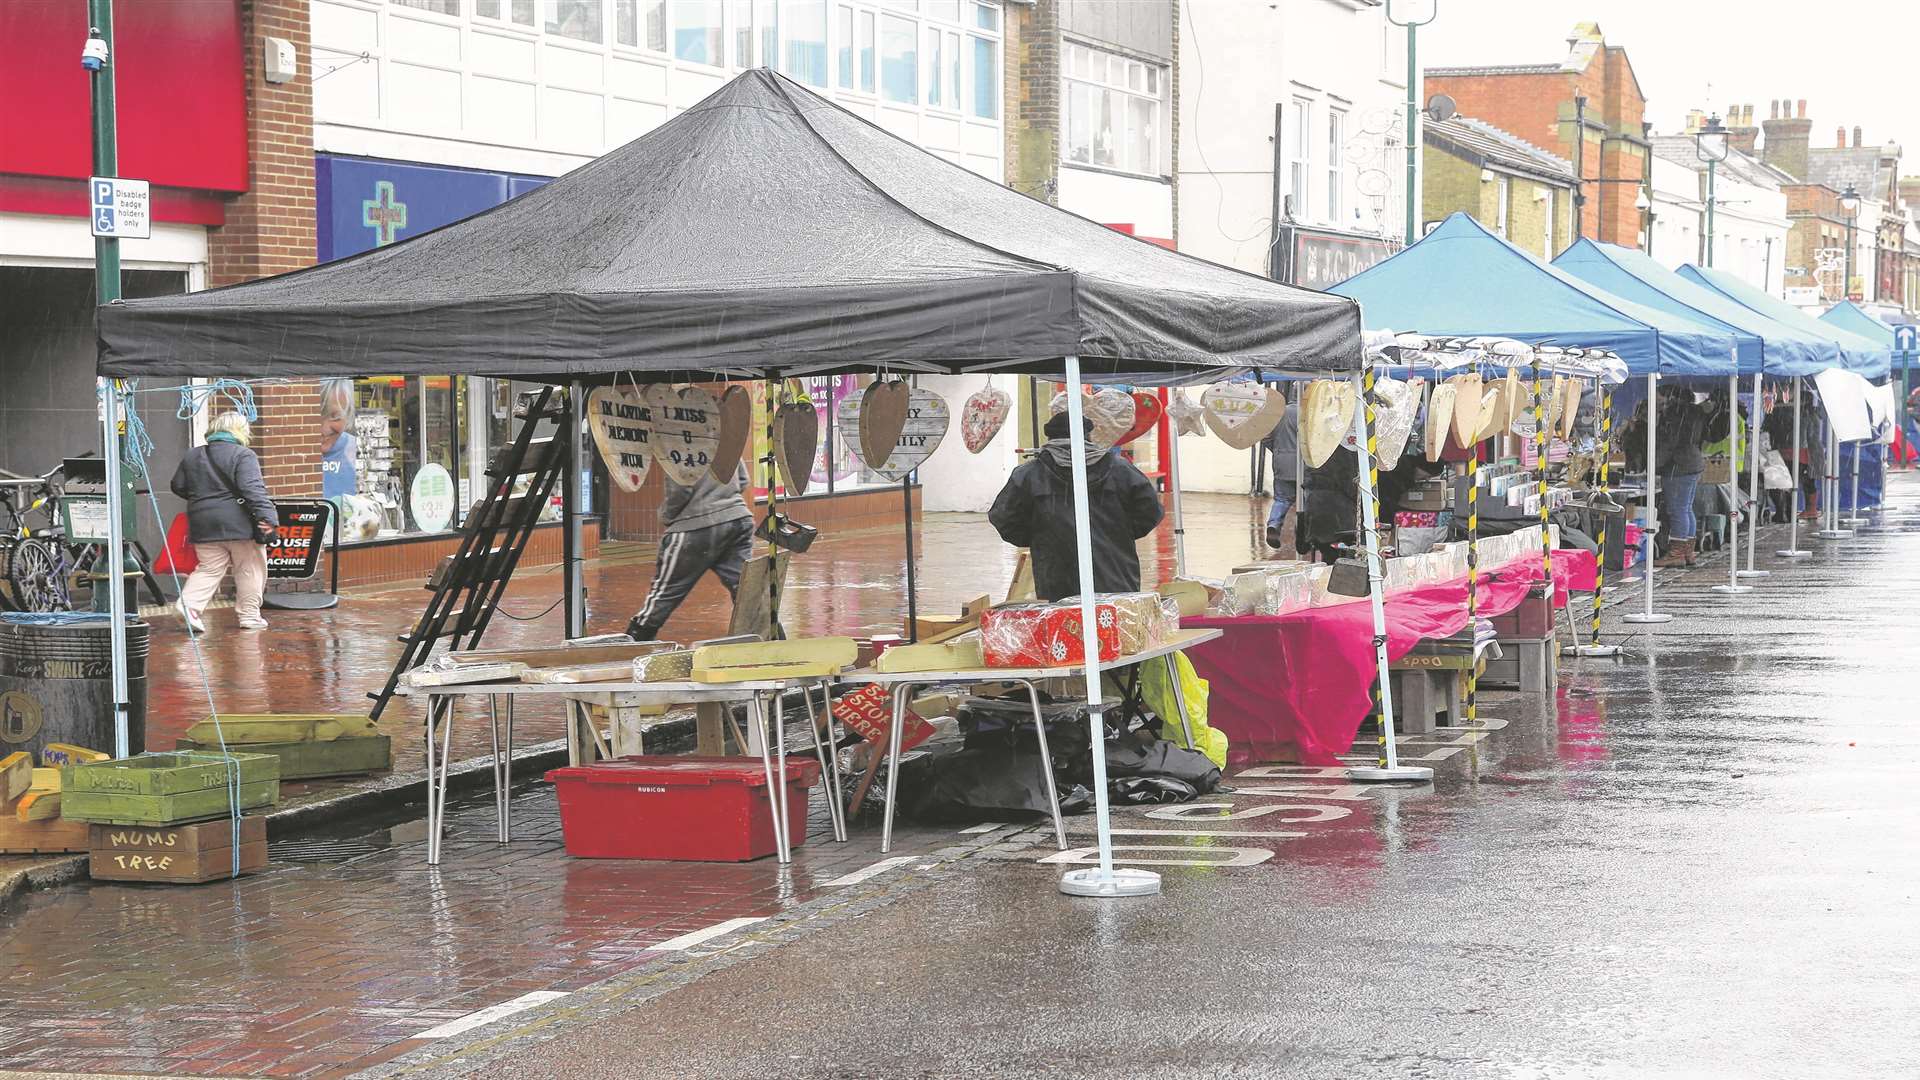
(193, 623)
(253, 624)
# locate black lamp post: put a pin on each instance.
(1711, 146)
(1850, 206)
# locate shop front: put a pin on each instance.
(1323, 258)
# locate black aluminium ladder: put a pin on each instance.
(467, 585)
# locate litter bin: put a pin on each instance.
(56, 685)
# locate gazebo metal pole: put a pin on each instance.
(570, 532)
(1830, 494)
(1173, 491)
(1733, 511)
(1853, 520)
(1650, 616)
(1102, 880)
(1793, 550)
(1388, 768)
(1753, 484)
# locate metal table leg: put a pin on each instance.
(433, 821)
(499, 781)
(437, 773)
(1046, 763)
(506, 779)
(757, 720)
(829, 763)
(900, 696)
(780, 769)
(1179, 699)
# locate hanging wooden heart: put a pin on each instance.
(1467, 397)
(982, 416)
(1242, 413)
(1109, 411)
(1326, 418)
(1439, 420)
(1146, 415)
(736, 429)
(1570, 408)
(1393, 418)
(796, 439)
(621, 423)
(920, 433)
(883, 415)
(1188, 417)
(685, 432)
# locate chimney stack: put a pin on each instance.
(1742, 135)
(1840, 137)
(1773, 109)
(1787, 140)
(1856, 134)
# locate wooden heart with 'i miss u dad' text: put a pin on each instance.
(685, 433)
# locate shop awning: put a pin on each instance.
(765, 228)
(1855, 319)
(1463, 281)
(1857, 354)
(1765, 345)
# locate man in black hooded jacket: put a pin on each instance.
(1035, 511)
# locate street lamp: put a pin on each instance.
(1850, 206)
(1710, 145)
(1645, 205)
(1412, 14)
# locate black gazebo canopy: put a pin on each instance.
(765, 228)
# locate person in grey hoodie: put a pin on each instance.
(706, 527)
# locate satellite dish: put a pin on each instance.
(1440, 107)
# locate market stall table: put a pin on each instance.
(903, 684)
(773, 755)
(1299, 683)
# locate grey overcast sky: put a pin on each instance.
(1847, 64)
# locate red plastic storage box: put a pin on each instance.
(701, 809)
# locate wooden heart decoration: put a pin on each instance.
(1467, 397)
(796, 439)
(685, 432)
(982, 416)
(920, 435)
(883, 415)
(736, 429)
(1109, 411)
(1326, 418)
(1439, 420)
(621, 423)
(1146, 415)
(1242, 414)
(1489, 413)
(1393, 418)
(1188, 418)
(1570, 408)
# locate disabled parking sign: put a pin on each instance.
(120, 207)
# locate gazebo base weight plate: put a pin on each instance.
(1121, 881)
(1400, 774)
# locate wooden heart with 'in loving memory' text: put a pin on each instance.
(685, 432)
(920, 435)
(621, 423)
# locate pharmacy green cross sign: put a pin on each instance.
(382, 214)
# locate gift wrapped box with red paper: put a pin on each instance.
(1045, 635)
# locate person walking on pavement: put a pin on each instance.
(1283, 448)
(1035, 511)
(230, 521)
(705, 527)
(1679, 463)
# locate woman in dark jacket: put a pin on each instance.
(1035, 511)
(230, 519)
(1679, 462)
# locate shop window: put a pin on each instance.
(392, 452)
(899, 59)
(844, 54)
(935, 82)
(576, 19)
(953, 69)
(697, 34)
(986, 17)
(1336, 143)
(866, 49)
(1299, 155)
(805, 57)
(518, 11)
(1113, 119)
(986, 77)
(438, 7)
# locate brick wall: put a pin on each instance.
(1033, 98)
(270, 229)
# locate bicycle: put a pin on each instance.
(37, 565)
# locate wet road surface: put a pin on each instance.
(1692, 862)
(1697, 863)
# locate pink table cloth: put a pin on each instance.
(1300, 685)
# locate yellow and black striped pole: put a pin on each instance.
(1606, 454)
(1371, 506)
(1473, 585)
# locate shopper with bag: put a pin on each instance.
(1682, 423)
(230, 522)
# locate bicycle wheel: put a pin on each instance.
(39, 583)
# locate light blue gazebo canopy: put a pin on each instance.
(1765, 345)
(1853, 318)
(1857, 354)
(1463, 281)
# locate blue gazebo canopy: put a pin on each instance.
(1463, 281)
(1857, 354)
(1855, 319)
(1765, 345)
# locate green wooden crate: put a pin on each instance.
(344, 756)
(167, 774)
(111, 808)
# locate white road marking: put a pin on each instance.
(719, 929)
(491, 1013)
(1198, 832)
(866, 872)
